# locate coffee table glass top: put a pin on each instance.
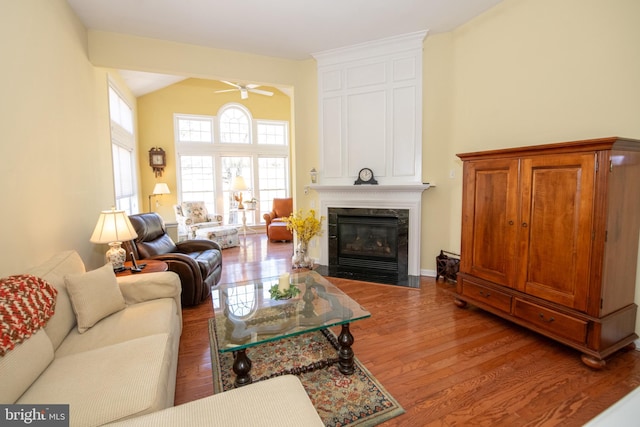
(246, 315)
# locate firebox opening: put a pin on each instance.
(370, 244)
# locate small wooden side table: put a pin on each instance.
(153, 266)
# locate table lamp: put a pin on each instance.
(238, 186)
(160, 189)
(114, 227)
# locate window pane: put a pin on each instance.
(124, 184)
(272, 133)
(231, 168)
(272, 181)
(234, 126)
(119, 111)
(198, 180)
(195, 130)
(123, 153)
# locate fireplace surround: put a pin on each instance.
(390, 200)
(368, 243)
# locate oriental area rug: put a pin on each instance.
(340, 400)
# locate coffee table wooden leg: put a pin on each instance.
(241, 367)
(345, 353)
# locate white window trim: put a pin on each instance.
(276, 122)
(127, 140)
(176, 130)
(219, 149)
(251, 124)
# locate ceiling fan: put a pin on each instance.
(245, 89)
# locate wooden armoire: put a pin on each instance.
(550, 240)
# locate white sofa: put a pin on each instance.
(124, 366)
(280, 401)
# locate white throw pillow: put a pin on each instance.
(94, 296)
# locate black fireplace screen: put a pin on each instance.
(372, 241)
(365, 239)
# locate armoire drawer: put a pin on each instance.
(551, 320)
(487, 295)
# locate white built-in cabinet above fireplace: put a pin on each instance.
(370, 110)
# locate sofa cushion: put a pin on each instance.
(53, 271)
(280, 401)
(94, 295)
(135, 321)
(21, 366)
(109, 383)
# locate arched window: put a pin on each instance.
(235, 125)
(212, 150)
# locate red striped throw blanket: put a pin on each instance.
(26, 304)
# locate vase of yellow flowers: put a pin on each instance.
(305, 227)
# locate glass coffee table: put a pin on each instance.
(246, 316)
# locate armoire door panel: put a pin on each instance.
(490, 240)
(556, 227)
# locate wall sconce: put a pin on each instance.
(314, 175)
(160, 189)
(114, 227)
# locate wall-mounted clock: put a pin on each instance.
(157, 160)
(365, 176)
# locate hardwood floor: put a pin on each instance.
(445, 365)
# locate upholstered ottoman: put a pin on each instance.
(278, 231)
(225, 235)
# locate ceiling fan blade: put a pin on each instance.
(226, 90)
(261, 92)
(243, 93)
(231, 84)
(252, 86)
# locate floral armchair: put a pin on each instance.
(192, 216)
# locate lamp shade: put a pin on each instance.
(239, 184)
(113, 226)
(161, 188)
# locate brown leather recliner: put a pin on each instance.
(197, 262)
(275, 225)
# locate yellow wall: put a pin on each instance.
(143, 54)
(191, 96)
(55, 157)
(525, 72)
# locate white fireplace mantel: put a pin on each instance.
(396, 196)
